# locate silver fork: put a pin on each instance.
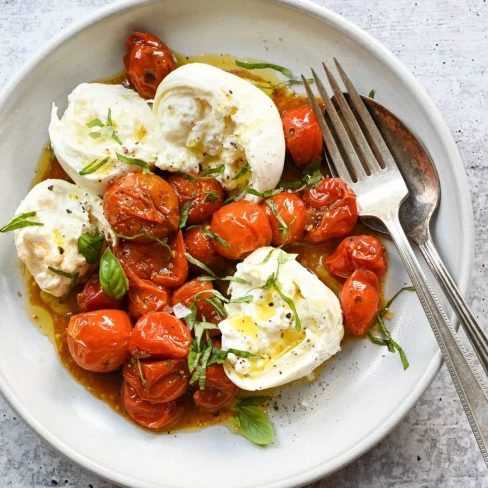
(371, 172)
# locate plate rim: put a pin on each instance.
(367, 41)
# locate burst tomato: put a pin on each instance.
(205, 194)
(186, 295)
(331, 210)
(360, 297)
(292, 211)
(94, 298)
(218, 392)
(147, 61)
(302, 135)
(160, 335)
(148, 414)
(145, 297)
(244, 226)
(357, 252)
(141, 204)
(99, 340)
(200, 246)
(154, 261)
(158, 381)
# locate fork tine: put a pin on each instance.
(373, 131)
(352, 123)
(355, 165)
(337, 165)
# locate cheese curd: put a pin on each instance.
(209, 117)
(266, 326)
(66, 211)
(131, 130)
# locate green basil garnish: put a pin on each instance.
(19, 222)
(215, 237)
(109, 125)
(72, 276)
(371, 93)
(212, 171)
(254, 424)
(210, 196)
(90, 245)
(112, 277)
(92, 167)
(288, 73)
(135, 162)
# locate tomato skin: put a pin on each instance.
(94, 298)
(218, 392)
(186, 294)
(302, 135)
(293, 212)
(331, 210)
(160, 335)
(152, 262)
(360, 297)
(99, 341)
(200, 246)
(165, 380)
(141, 204)
(202, 205)
(148, 414)
(145, 297)
(357, 252)
(244, 226)
(147, 61)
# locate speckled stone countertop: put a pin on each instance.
(445, 43)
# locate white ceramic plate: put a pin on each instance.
(362, 394)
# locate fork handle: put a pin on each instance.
(472, 392)
(475, 334)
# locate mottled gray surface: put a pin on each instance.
(445, 43)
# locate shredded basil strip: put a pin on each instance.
(243, 171)
(287, 82)
(253, 401)
(215, 237)
(72, 276)
(95, 123)
(184, 212)
(266, 194)
(135, 162)
(186, 176)
(210, 196)
(212, 171)
(288, 73)
(92, 167)
(239, 192)
(112, 277)
(282, 227)
(198, 263)
(254, 424)
(20, 222)
(90, 246)
(371, 93)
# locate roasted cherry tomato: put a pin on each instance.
(158, 381)
(160, 335)
(302, 135)
(141, 204)
(200, 246)
(149, 414)
(154, 261)
(357, 252)
(292, 211)
(186, 295)
(94, 298)
(206, 196)
(360, 297)
(145, 296)
(99, 340)
(244, 226)
(219, 389)
(331, 210)
(148, 61)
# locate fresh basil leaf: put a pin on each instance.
(19, 222)
(72, 276)
(236, 279)
(290, 184)
(212, 171)
(215, 237)
(217, 357)
(204, 360)
(268, 256)
(184, 212)
(135, 162)
(90, 245)
(402, 354)
(266, 194)
(311, 169)
(95, 135)
(215, 293)
(291, 304)
(95, 165)
(112, 277)
(196, 262)
(210, 196)
(255, 401)
(282, 226)
(243, 171)
(191, 318)
(243, 354)
(95, 123)
(243, 299)
(115, 137)
(185, 176)
(194, 354)
(255, 425)
(109, 117)
(288, 73)
(238, 193)
(371, 95)
(386, 308)
(148, 236)
(217, 304)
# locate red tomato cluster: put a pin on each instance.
(162, 221)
